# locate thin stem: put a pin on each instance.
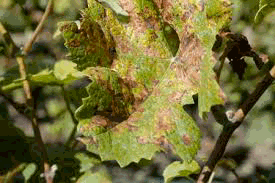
(27, 89)
(8, 41)
(28, 45)
(231, 125)
(72, 116)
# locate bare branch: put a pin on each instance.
(230, 125)
(28, 45)
(27, 89)
(9, 43)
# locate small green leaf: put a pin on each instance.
(63, 73)
(87, 162)
(29, 171)
(116, 8)
(180, 169)
(98, 176)
(64, 69)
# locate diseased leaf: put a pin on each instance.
(107, 93)
(209, 91)
(89, 46)
(160, 77)
(180, 169)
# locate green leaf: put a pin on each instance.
(265, 7)
(180, 169)
(98, 176)
(29, 171)
(65, 70)
(87, 162)
(116, 8)
(63, 73)
(45, 77)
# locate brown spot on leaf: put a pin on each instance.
(163, 143)
(164, 120)
(155, 82)
(166, 8)
(90, 49)
(140, 98)
(125, 125)
(142, 140)
(74, 43)
(186, 139)
(87, 140)
(132, 127)
(175, 97)
(191, 52)
(141, 109)
(102, 121)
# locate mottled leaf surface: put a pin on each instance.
(162, 57)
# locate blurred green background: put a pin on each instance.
(251, 147)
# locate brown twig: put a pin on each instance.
(27, 89)
(28, 45)
(230, 125)
(11, 48)
(9, 43)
